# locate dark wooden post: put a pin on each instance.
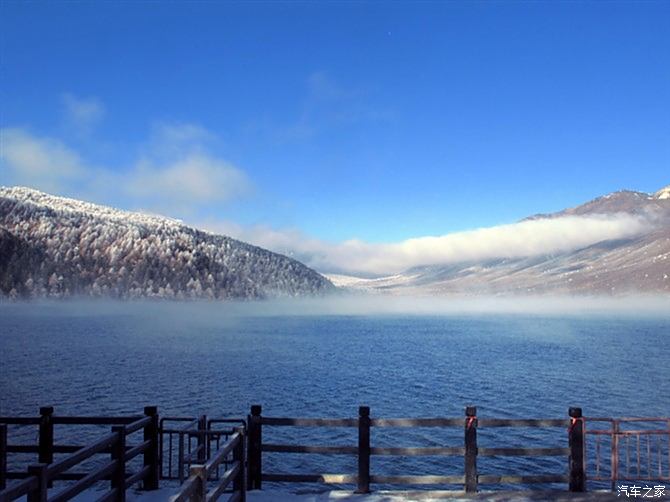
(46, 437)
(202, 439)
(254, 444)
(576, 443)
(363, 450)
(39, 494)
(3, 456)
(119, 456)
(151, 457)
(471, 449)
(239, 483)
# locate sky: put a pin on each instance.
(315, 128)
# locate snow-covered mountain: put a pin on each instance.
(57, 247)
(637, 264)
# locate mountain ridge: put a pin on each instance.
(58, 247)
(639, 264)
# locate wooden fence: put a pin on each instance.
(232, 454)
(574, 476)
(39, 477)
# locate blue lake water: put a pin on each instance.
(189, 360)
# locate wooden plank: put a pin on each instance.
(138, 476)
(417, 422)
(419, 451)
(84, 483)
(290, 448)
(20, 420)
(86, 452)
(80, 420)
(310, 422)
(524, 452)
(20, 488)
(526, 479)
(186, 489)
(137, 425)
(311, 478)
(523, 422)
(223, 452)
(225, 480)
(418, 480)
(136, 450)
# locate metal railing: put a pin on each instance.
(628, 449)
(195, 487)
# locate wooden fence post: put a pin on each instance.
(239, 483)
(151, 457)
(46, 437)
(119, 456)
(576, 444)
(471, 449)
(200, 494)
(202, 439)
(39, 494)
(254, 444)
(363, 450)
(3, 456)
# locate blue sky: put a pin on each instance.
(371, 120)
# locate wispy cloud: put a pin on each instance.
(326, 104)
(42, 162)
(517, 240)
(193, 179)
(175, 171)
(81, 113)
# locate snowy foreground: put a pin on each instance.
(164, 494)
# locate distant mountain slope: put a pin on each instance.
(640, 264)
(57, 247)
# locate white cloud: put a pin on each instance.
(176, 172)
(523, 239)
(82, 113)
(39, 162)
(194, 179)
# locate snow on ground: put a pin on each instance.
(164, 494)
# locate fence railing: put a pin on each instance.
(195, 487)
(470, 477)
(36, 481)
(628, 449)
(186, 441)
(207, 455)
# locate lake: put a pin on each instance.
(192, 359)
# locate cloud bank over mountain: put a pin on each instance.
(517, 240)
